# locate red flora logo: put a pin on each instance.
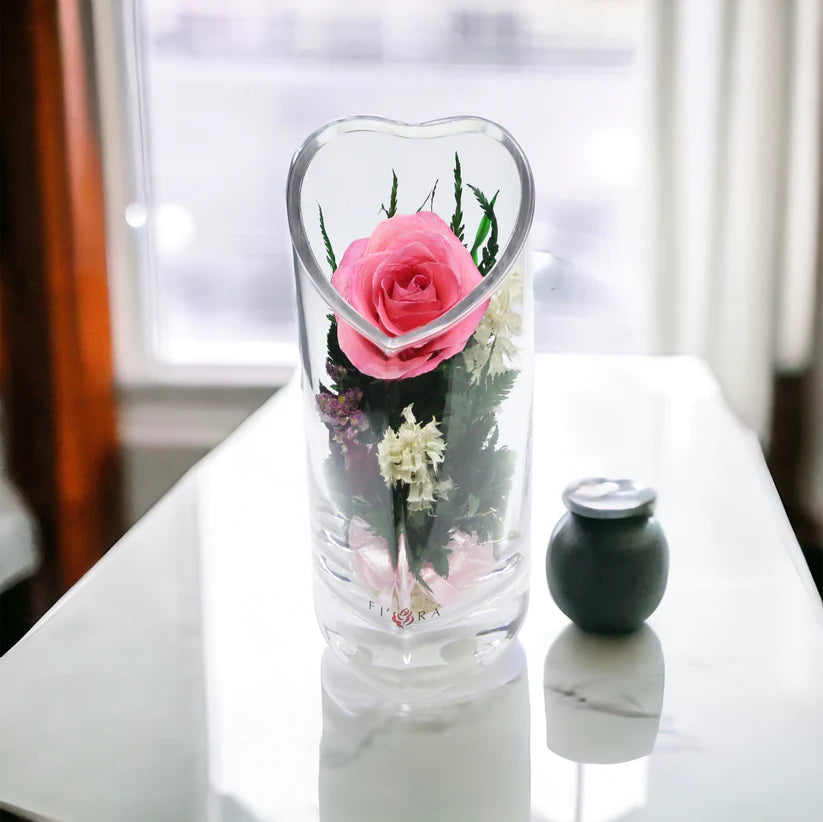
(403, 618)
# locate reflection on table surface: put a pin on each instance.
(466, 749)
(182, 680)
(603, 695)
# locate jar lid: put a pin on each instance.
(602, 498)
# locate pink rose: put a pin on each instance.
(409, 272)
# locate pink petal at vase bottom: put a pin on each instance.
(469, 560)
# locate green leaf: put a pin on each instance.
(392, 209)
(425, 584)
(493, 390)
(326, 242)
(439, 558)
(485, 223)
(416, 519)
(472, 505)
(487, 227)
(457, 218)
(429, 197)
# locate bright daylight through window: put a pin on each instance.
(225, 93)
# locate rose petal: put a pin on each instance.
(360, 291)
(444, 281)
(395, 227)
(399, 264)
(411, 271)
(469, 560)
(342, 276)
(401, 316)
(419, 289)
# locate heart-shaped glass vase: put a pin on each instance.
(416, 338)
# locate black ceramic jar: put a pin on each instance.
(608, 560)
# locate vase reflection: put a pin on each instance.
(462, 755)
(603, 695)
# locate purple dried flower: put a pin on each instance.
(336, 372)
(343, 417)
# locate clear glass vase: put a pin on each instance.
(416, 338)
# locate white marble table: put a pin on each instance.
(181, 679)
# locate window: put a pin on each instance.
(217, 96)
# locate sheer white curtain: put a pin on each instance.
(735, 90)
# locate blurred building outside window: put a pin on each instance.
(205, 101)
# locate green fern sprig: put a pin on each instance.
(327, 242)
(429, 198)
(487, 227)
(457, 218)
(392, 209)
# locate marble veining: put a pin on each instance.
(625, 705)
(603, 695)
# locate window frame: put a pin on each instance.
(127, 180)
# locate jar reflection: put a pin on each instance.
(603, 695)
(464, 755)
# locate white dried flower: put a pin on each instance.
(412, 455)
(493, 341)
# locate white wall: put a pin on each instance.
(166, 430)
